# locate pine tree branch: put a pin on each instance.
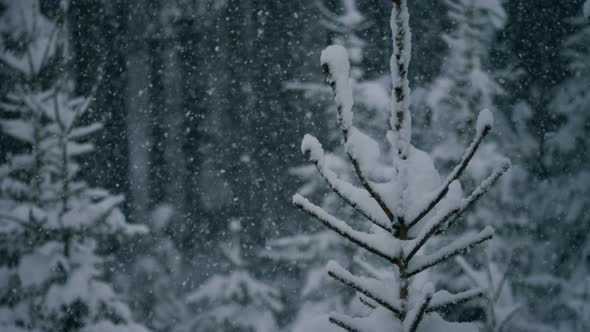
(363, 286)
(345, 127)
(415, 317)
(429, 230)
(455, 174)
(377, 197)
(370, 269)
(400, 121)
(359, 238)
(442, 300)
(455, 248)
(343, 322)
(351, 195)
(481, 190)
(367, 302)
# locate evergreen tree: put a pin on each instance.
(465, 83)
(405, 201)
(52, 223)
(236, 300)
(157, 280)
(565, 193)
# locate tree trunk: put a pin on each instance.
(137, 104)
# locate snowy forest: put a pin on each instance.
(312, 165)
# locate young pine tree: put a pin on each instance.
(404, 200)
(237, 300)
(51, 222)
(156, 281)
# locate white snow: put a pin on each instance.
(39, 266)
(419, 306)
(380, 291)
(485, 121)
(422, 178)
(336, 58)
(365, 150)
(401, 133)
(312, 147)
(382, 244)
(458, 246)
(486, 184)
(443, 298)
(237, 299)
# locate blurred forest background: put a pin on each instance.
(204, 102)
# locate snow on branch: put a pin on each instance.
(359, 199)
(416, 315)
(442, 299)
(374, 243)
(376, 290)
(485, 121)
(368, 302)
(440, 219)
(481, 190)
(344, 322)
(336, 67)
(457, 247)
(400, 120)
(446, 218)
(92, 214)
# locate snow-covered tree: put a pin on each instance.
(404, 199)
(236, 300)
(156, 281)
(565, 194)
(52, 223)
(465, 84)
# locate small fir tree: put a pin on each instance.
(237, 300)
(51, 222)
(404, 200)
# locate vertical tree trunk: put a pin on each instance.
(174, 125)
(137, 104)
